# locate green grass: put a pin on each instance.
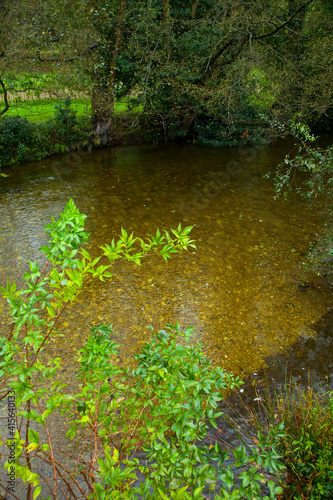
(43, 110)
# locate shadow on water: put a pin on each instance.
(310, 359)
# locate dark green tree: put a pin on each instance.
(230, 65)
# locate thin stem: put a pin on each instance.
(29, 492)
(68, 473)
(9, 492)
(47, 336)
(123, 447)
(52, 456)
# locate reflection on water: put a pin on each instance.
(239, 289)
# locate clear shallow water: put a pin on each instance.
(239, 289)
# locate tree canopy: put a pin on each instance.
(238, 62)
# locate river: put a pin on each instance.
(239, 289)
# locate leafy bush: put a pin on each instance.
(17, 141)
(65, 122)
(307, 443)
(315, 165)
(161, 408)
(21, 140)
(212, 132)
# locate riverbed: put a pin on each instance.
(240, 288)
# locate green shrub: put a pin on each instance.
(65, 122)
(308, 446)
(307, 443)
(22, 140)
(17, 141)
(212, 132)
(162, 407)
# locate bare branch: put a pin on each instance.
(62, 59)
(278, 28)
(241, 40)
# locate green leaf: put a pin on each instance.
(37, 492)
(33, 436)
(115, 455)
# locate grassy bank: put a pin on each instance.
(42, 110)
(33, 130)
(39, 111)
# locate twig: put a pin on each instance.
(52, 455)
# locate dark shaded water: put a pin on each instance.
(239, 289)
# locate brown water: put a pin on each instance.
(239, 289)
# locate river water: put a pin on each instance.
(239, 289)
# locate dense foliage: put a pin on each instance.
(202, 69)
(22, 140)
(307, 442)
(17, 141)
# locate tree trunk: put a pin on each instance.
(102, 103)
(166, 11)
(5, 96)
(102, 99)
(120, 20)
(194, 8)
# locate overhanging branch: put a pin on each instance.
(241, 40)
(62, 59)
(281, 26)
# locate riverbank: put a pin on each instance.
(34, 130)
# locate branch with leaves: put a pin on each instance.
(162, 407)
